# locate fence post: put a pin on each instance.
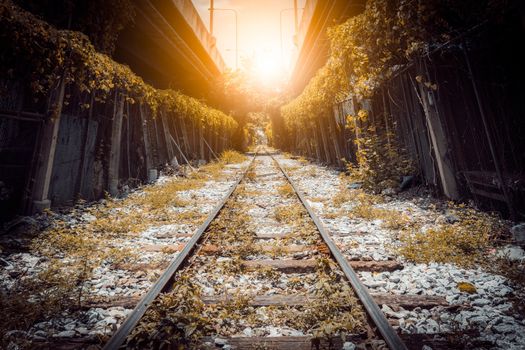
(128, 137)
(335, 139)
(317, 143)
(147, 144)
(308, 139)
(194, 141)
(116, 135)
(386, 114)
(167, 139)
(439, 142)
(82, 164)
(324, 139)
(157, 151)
(179, 139)
(216, 137)
(202, 154)
(185, 137)
(48, 142)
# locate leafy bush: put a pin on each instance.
(380, 164)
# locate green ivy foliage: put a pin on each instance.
(367, 49)
(35, 52)
(101, 20)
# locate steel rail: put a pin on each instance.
(389, 334)
(163, 283)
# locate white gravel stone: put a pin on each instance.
(107, 281)
(248, 332)
(220, 341)
(489, 307)
(349, 346)
(512, 253)
(66, 334)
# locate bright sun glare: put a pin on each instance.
(267, 67)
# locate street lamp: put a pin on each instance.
(281, 26)
(236, 31)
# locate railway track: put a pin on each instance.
(260, 273)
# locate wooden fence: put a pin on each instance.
(458, 111)
(60, 150)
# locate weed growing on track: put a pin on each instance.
(66, 263)
(181, 316)
(232, 226)
(513, 270)
(143, 209)
(31, 300)
(290, 169)
(276, 250)
(463, 242)
(79, 241)
(294, 282)
(251, 175)
(343, 196)
(366, 209)
(232, 266)
(244, 192)
(189, 216)
(303, 160)
(231, 157)
(268, 272)
(232, 229)
(289, 213)
(333, 309)
(312, 172)
(286, 190)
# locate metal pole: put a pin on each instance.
(236, 41)
(236, 33)
(211, 17)
(281, 34)
(281, 26)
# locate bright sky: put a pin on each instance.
(259, 34)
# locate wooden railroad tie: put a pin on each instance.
(407, 302)
(438, 341)
(309, 265)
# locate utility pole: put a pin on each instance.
(211, 17)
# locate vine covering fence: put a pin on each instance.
(448, 112)
(75, 124)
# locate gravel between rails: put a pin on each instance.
(232, 267)
(112, 290)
